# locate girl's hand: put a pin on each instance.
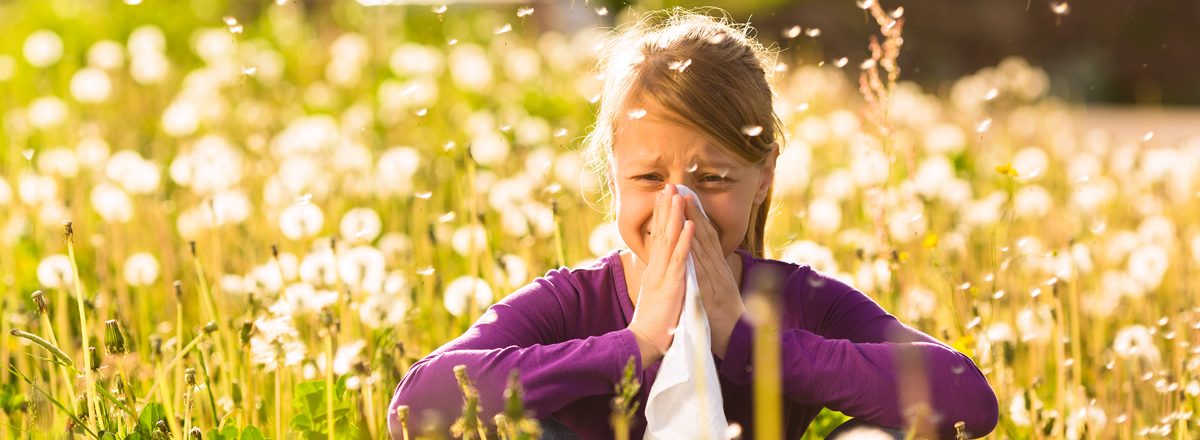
(719, 290)
(664, 282)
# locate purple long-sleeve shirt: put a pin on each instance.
(566, 334)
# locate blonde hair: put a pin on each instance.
(711, 76)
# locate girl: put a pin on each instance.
(689, 102)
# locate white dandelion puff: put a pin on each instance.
(141, 269)
(55, 272)
(458, 294)
(300, 221)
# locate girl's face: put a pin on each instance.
(649, 152)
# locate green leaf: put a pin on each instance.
(302, 422)
(151, 414)
(230, 432)
(252, 433)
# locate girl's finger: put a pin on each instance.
(674, 221)
(679, 256)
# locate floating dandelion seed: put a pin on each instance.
(781, 67)
(822, 63)
(637, 114)
(899, 12)
(560, 132)
(680, 65)
(424, 195)
(230, 21)
(792, 32)
(802, 107)
(602, 11)
(304, 199)
(446, 217)
(507, 27)
(867, 64)
(439, 9)
(1061, 8)
(752, 130)
(452, 41)
(865, 4)
(594, 98)
(133, 2)
(916, 217)
(1023, 242)
(554, 188)
(716, 39)
(280, 2)
(989, 277)
(506, 128)
(693, 168)
(422, 112)
(983, 126)
(734, 430)
(974, 322)
(1035, 292)
(999, 294)
(524, 11)
(813, 32)
(1148, 136)
(842, 62)
(28, 154)
(426, 271)
(992, 94)
(235, 29)
(249, 70)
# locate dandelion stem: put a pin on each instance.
(86, 333)
(329, 380)
(163, 396)
(215, 314)
(171, 365)
(278, 403)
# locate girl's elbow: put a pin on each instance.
(984, 410)
(420, 404)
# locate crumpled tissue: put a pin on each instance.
(685, 401)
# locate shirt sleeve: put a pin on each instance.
(842, 351)
(526, 331)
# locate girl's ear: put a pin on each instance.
(766, 176)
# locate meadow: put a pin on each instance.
(256, 218)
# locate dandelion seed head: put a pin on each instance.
(502, 29)
(43, 48)
(524, 11)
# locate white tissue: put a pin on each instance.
(685, 401)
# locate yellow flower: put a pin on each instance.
(931, 241)
(965, 345)
(1007, 170)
